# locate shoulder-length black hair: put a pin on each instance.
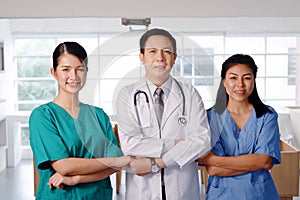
(222, 96)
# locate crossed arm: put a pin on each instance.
(235, 165)
(72, 171)
(141, 165)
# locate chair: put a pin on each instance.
(118, 173)
(204, 176)
(36, 178)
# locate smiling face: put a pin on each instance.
(70, 74)
(239, 83)
(158, 58)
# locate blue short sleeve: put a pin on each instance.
(216, 123)
(269, 139)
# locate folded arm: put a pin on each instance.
(234, 165)
(58, 181)
(219, 171)
(86, 166)
(196, 141)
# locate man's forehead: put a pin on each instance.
(159, 39)
(158, 48)
(160, 44)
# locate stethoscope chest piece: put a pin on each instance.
(182, 120)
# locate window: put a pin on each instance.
(199, 63)
(197, 66)
(24, 128)
(292, 58)
(34, 84)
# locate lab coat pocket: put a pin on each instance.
(181, 133)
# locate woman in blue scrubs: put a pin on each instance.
(245, 137)
(74, 147)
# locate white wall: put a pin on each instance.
(5, 85)
(6, 81)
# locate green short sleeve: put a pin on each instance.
(45, 140)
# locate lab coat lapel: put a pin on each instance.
(173, 102)
(140, 85)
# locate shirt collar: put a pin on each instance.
(166, 87)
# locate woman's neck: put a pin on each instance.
(69, 102)
(239, 107)
(240, 112)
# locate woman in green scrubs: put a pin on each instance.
(74, 147)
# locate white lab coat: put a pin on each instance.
(181, 174)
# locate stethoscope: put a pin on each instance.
(181, 119)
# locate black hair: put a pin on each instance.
(222, 96)
(72, 48)
(156, 31)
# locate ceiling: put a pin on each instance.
(154, 8)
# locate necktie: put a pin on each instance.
(159, 104)
(159, 108)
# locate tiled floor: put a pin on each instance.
(17, 183)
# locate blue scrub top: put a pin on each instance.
(55, 135)
(258, 136)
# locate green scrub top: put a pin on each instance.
(55, 135)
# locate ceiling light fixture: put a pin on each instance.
(136, 23)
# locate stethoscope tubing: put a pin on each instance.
(181, 119)
(183, 97)
(138, 92)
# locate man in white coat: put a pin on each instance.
(166, 148)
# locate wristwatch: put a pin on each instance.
(154, 167)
